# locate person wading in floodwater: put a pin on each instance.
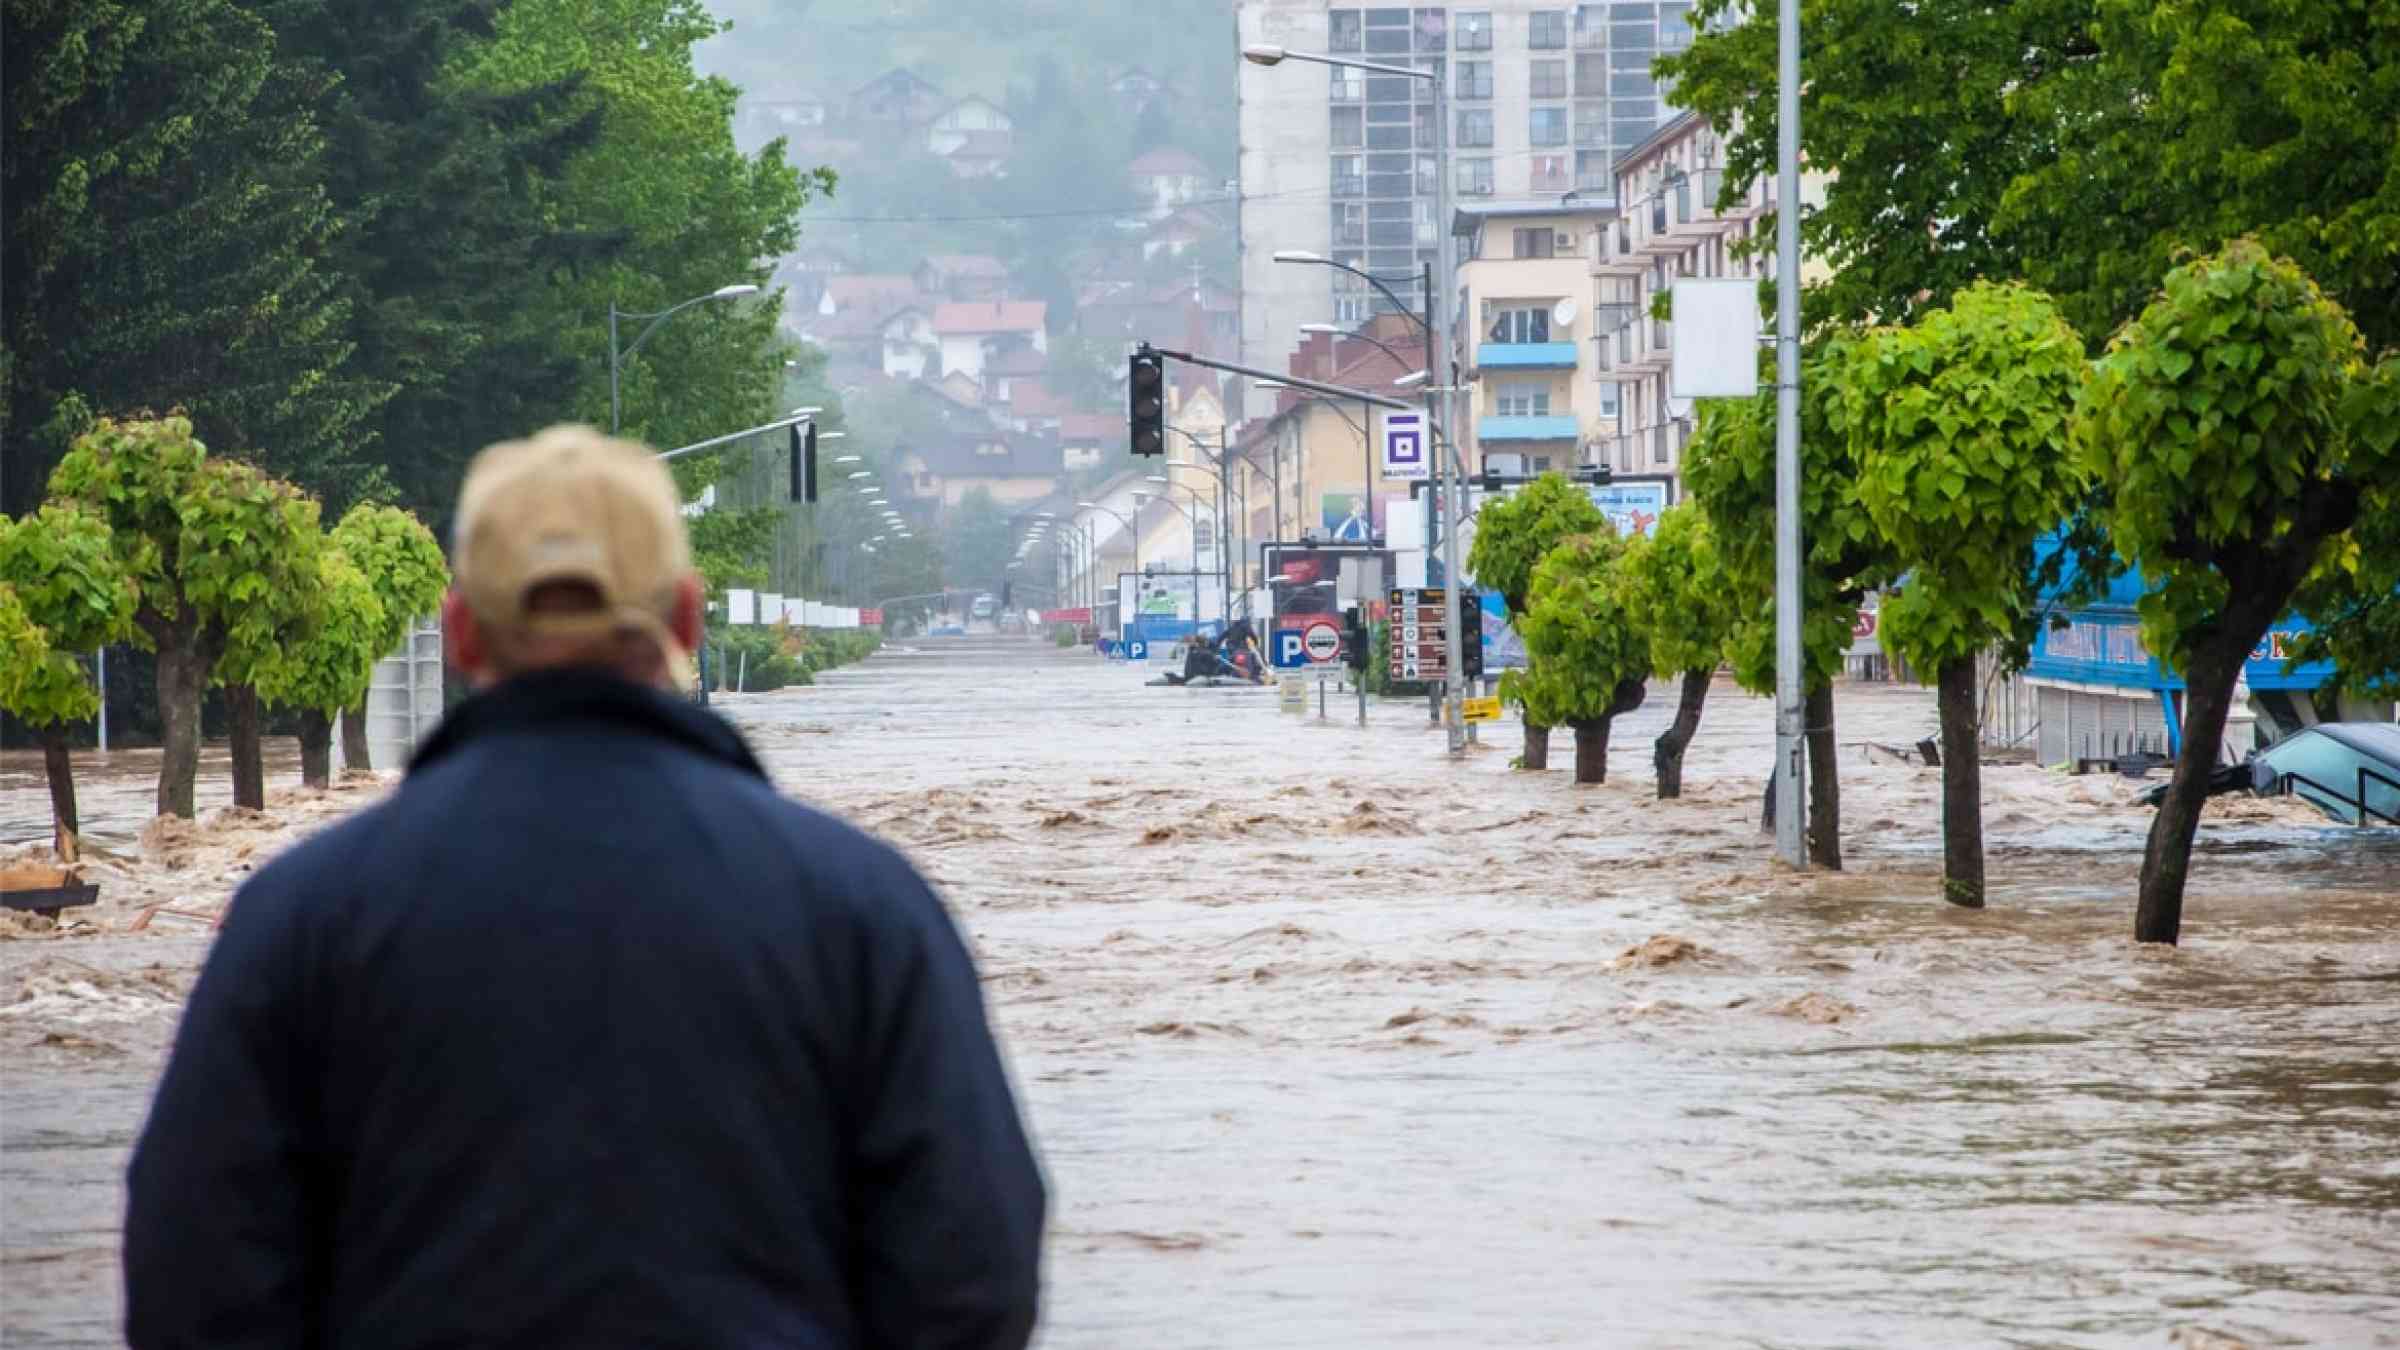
(585, 1036)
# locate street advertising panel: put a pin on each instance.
(1304, 589)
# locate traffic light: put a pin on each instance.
(804, 461)
(1355, 641)
(1146, 401)
(1470, 636)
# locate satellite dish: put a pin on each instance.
(1562, 314)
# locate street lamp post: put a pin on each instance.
(656, 317)
(1133, 532)
(1439, 367)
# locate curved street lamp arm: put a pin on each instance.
(1377, 282)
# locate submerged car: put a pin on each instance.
(2348, 770)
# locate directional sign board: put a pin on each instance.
(1420, 625)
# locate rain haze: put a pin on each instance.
(1507, 779)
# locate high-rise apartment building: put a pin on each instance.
(1544, 98)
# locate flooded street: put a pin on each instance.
(1329, 1041)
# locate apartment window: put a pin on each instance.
(1346, 33)
(1591, 168)
(1389, 89)
(1349, 176)
(1349, 86)
(1428, 176)
(1473, 31)
(1630, 134)
(1533, 243)
(1475, 127)
(1530, 324)
(1389, 137)
(1549, 31)
(1608, 399)
(1350, 223)
(1591, 74)
(1550, 173)
(1349, 310)
(1591, 123)
(1541, 464)
(1524, 400)
(1624, 59)
(1549, 79)
(1474, 80)
(1433, 28)
(1591, 26)
(1349, 129)
(1475, 177)
(1546, 126)
(1637, 109)
(1632, 84)
(1632, 37)
(1387, 31)
(1427, 234)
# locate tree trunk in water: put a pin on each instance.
(1667, 754)
(181, 672)
(2208, 696)
(1591, 750)
(65, 825)
(1824, 783)
(1537, 746)
(1962, 786)
(316, 748)
(241, 727)
(354, 736)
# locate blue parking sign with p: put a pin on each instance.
(1291, 649)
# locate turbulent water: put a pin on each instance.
(1328, 1040)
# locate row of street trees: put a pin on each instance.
(226, 574)
(2235, 443)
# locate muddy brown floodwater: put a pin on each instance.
(1328, 1041)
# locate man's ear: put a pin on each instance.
(684, 621)
(463, 643)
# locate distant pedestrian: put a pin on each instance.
(586, 1036)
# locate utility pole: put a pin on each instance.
(1791, 721)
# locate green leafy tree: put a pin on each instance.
(1676, 591)
(402, 560)
(977, 541)
(2218, 428)
(165, 236)
(2353, 602)
(277, 523)
(68, 596)
(328, 667)
(1958, 424)
(203, 541)
(1512, 536)
(1730, 469)
(2076, 144)
(1590, 663)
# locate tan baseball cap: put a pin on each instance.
(573, 504)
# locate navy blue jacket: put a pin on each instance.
(585, 1037)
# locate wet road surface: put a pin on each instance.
(1329, 1041)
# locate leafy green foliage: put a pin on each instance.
(2215, 429)
(62, 571)
(2353, 601)
(1583, 641)
(31, 683)
(1514, 533)
(400, 559)
(977, 541)
(329, 664)
(1958, 424)
(1730, 469)
(1675, 591)
(2077, 144)
(165, 237)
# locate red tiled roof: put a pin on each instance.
(1086, 426)
(1032, 398)
(963, 317)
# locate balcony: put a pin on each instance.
(1525, 356)
(1616, 257)
(1547, 428)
